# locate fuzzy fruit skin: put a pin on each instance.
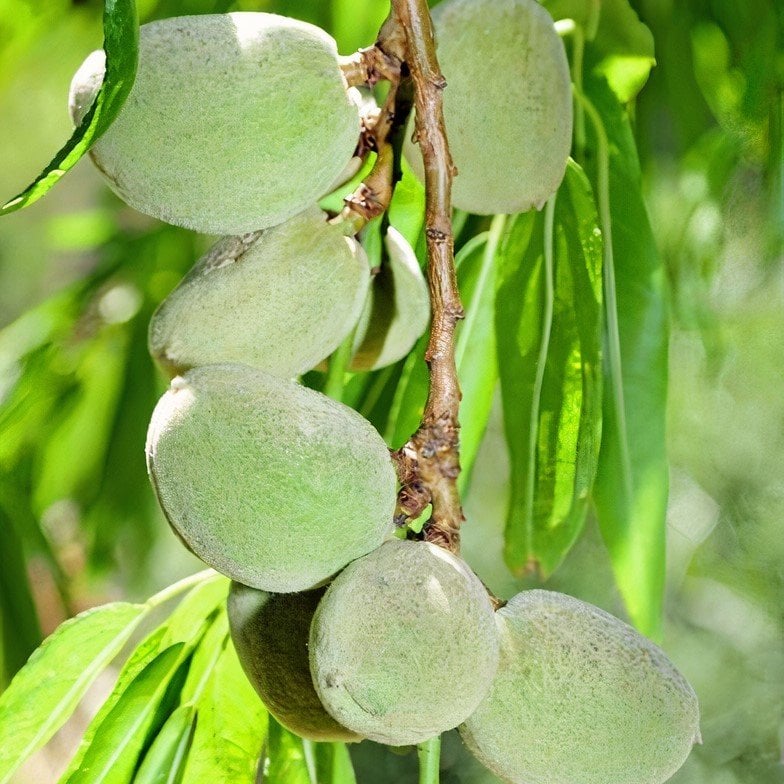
(580, 698)
(507, 105)
(270, 634)
(235, 122)
(397, 309)
(280, 300)
(403, 646)
(268, 482)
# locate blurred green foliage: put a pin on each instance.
(80, 275)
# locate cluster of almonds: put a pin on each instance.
(236, 125)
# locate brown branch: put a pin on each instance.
(434, 449)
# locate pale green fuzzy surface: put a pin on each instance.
(270, 634)
(397, 309)
(281, 300)
(268, 482)
(235, 121)
(507, 105)
(580, 698)
(403, 646)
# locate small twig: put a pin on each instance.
(433, 451)
(370, 66)
(371, 199)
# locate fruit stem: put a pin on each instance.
(434, 448)
(429, 754)
(338, 365)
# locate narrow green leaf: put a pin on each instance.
(48, 688)
(205, 658)
(620, 47)
(632, 519)
(407, 208)
(142, 655)
(475, 350)
(548, 326)
(201, 602)
(333, 764)
(232, 726)
(121, 43)
(129, 726)
(186, 624)
(285, 760)
(164, 763)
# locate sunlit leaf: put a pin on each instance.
(201, 603)
(634, 525)
(552, 411)
(47, 690)
(164, 763)
(134, 720)
(620, 46)
(185, 625)
(475, 369)
(121, 43)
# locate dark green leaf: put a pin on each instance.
(549, 339)
(164, 763)
(45, 692)
(121, 44)
(632, 518)
(128, 728)
(18, 618)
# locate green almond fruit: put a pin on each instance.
(280, 300)
(397, 309)
(235, 122)
(580, 698)
(268, 482)
(507, 104)
(403, 646)
(270, 633)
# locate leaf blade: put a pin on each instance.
(633, 526)
(121, 44)
(95, 636)
(548, 324)
(121, 737)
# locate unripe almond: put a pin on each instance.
(396, 311)
(270, 483)
(280, 300)
(507, 104)
(270, 633)
(403, 646)
(235, 122)
(580, 698)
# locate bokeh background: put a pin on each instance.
(80, 274)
